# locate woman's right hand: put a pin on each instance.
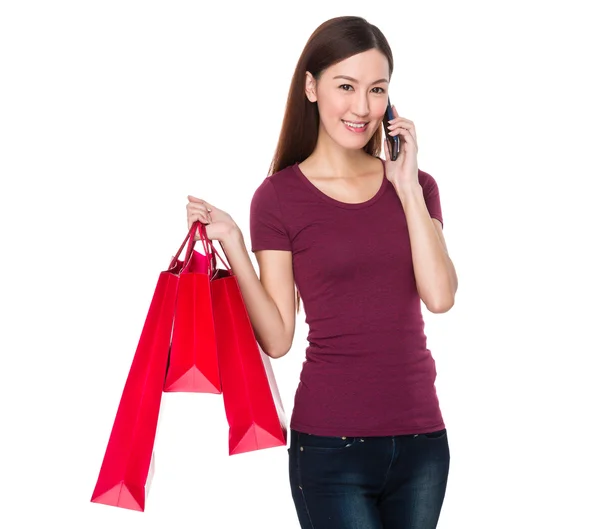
(219, 224)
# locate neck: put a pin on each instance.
(333, 160)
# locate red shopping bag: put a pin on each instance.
(193, 364)
(126, 473)
(252, 401)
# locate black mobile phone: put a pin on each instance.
(392, 141)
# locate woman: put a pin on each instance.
(362, 240)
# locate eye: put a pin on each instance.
(381, 90)
(346, 87)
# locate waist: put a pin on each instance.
(389, 393)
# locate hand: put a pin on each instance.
(404, 170)
(219, 224)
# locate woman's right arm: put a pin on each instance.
(270, 300)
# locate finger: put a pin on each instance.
(400, 119)
(194, 200)
(210, 207)
(408, 138)
(194, 206)
(199, 209)
(394, 131)
(204, 218)
(411, 140)
(198, 234)
(401, 125)
(411, 134)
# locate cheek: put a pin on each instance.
(379, 108)
(331, 108)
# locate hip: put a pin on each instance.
(369, 463)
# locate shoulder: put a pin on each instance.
(278, 185)
(283, 178)
(426, 179)
(431, 194)
(428, 183)
(268, 227)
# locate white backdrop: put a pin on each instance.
(111, 113)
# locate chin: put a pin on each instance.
(355, 145)
(345, 140)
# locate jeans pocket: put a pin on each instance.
(439, 434)
(321, 443)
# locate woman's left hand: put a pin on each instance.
(404, 170)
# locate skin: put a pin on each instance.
(354, 90)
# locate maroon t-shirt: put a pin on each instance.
(368, 371)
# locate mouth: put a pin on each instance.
(356, 126)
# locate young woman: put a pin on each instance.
(361, 239)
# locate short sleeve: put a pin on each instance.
(431, 194)
(267, 230)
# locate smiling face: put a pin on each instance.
(352, 97)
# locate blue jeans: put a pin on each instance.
(396, 482)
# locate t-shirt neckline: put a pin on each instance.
(338, 203)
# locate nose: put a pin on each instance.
(360, 106)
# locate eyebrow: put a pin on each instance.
(384, 80)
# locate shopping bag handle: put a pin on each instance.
(209, 250)
(192, 242)
(189, 239)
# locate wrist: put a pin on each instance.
(408, 190)
(232, 236)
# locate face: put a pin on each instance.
(352, 97)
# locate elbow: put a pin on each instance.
(441, 305)
(275, 354)
(441, 299)
(277, 350)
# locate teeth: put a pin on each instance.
(354, 125)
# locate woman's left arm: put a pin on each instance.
(434, 271)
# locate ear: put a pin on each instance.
(310, 87)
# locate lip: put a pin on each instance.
(356, 130)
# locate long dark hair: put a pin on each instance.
(332, 42)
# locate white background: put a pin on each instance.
(111, 113)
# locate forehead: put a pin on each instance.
(365, 67)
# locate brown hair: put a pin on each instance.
(332, 42)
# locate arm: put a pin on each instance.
(270, 300)
(434, 271)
